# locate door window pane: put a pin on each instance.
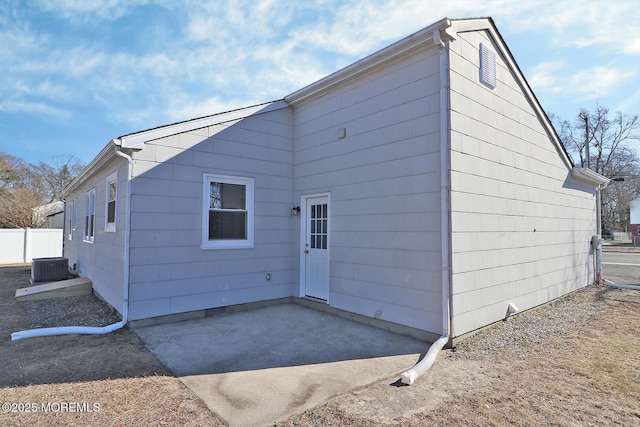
(318, 227)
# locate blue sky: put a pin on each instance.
(76, 73)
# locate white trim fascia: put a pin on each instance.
(137, 140)
(590, 177)
(106, 154)
(358, 68)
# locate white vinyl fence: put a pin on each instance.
(21, 245)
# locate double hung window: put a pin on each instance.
(71, 215)
(112, 195)
(227, 212)
(89, 215)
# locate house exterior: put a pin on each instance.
(50, 215)
(422, 187)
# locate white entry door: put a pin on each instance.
(316, 248)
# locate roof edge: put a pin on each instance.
(371, 61)
(589, 176)
(106, 154)
(137, 140)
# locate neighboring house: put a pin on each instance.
(634, 207)
(422, 186)
(50, 215)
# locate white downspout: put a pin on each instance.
(598, 249)
(410, 376)
(92, 330)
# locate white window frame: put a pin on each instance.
(111, 226)
(89, 211)
(73, 219)
(249, 205)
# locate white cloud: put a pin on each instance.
(229, 54)
(545, 75)
(34, 108)
(598, 82)
(586, 84)
(45, 88)
(83, 11)
(614, 25)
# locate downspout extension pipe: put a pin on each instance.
(617, 285)
(93, 330)
(410, 376)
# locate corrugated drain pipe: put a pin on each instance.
(410, 376)
(92, 330)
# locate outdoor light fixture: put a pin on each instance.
(295, 211)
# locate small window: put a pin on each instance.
(72, 218)
(227, 212)
(487, 66)
(89, 215)
(110, 206)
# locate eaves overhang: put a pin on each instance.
(137, 140)
(105, 155)
(590, 177)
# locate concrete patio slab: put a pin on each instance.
(257, 367)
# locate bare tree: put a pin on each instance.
(24, 186)
(607, 135)
(58, 174)
(18, 192)
(17, 208)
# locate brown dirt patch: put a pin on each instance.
(92, 380)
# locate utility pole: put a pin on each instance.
(584, 117)
(596, 241)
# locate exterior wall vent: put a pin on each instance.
(49, 269)
(487, 66)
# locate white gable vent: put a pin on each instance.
(487, 66)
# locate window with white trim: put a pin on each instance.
(227, 217)
(110, 203)
(89, 215)
(72, 218)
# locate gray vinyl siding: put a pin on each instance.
(170, 273)
(383, 178)
(520, 224)
(103, 260)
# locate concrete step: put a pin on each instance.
(63, 288)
